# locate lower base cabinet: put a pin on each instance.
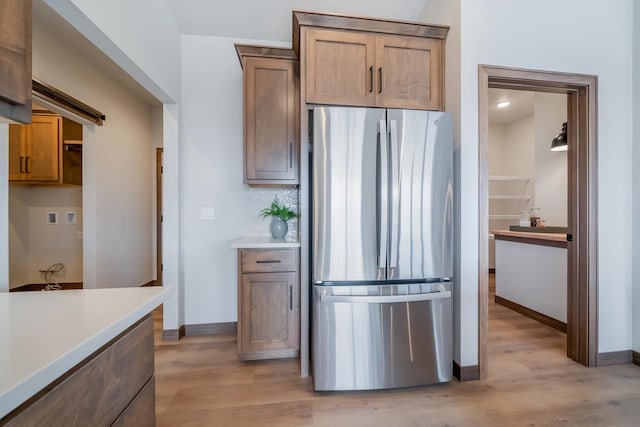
(268, 304)
(114, 386)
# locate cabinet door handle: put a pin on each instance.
(291, 155)
(291, 297)
(268, 261)
(380, 80)
(21, 169)
(26, 164)
(371, 79)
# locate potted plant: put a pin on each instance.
(279, 214)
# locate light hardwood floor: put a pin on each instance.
(201, 382)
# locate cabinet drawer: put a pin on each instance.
(142, 411)
(96, 392)
(268, 260)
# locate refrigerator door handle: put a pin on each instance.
(385, 299)
(395, 193)
(383, 195)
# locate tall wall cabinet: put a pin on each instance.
(270, 87)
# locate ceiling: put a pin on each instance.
(522, 105)
(47, 18)
(271, 19)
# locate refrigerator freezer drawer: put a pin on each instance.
(376, 337)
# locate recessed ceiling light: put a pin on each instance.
(503, 104)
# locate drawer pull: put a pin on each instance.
(269, 261)
(291, 297)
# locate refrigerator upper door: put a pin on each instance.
(346, 221)
(421, 199)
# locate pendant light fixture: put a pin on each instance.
(559, 143)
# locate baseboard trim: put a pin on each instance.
(466, 373)
(269, 354)
(532, 314)
(614, 358)
(636, 358)
(173, 334)
(225, 328)
(211, 328)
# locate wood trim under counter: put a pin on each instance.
(555, 240)
(636, 358)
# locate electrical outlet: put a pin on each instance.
(79, 235)
(207, 213)
(71, 217)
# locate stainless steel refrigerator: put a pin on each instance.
(382, 249)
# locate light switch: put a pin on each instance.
(207, 213)
(52, 217)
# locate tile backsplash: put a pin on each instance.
(261, 198)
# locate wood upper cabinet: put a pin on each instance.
(370, 62)
(268, 304)
(270, 121)
(15, 60)
(34, 150)
(340, 67)
(409, 72)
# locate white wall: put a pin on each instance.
(212, 173)
(636, 177)
(34, 244)
(502, 32)
(140, 36)
(550, 166)
(520, 279)
(117, 174)
(4, 208)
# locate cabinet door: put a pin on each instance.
(268, 317)
(409, 72)
(17, 153)
(339, 67)
(270, 121)
(43, 149)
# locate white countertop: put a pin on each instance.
(261, 242)
(44, 334)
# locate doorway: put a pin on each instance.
(582, 307)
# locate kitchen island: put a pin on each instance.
(531, 275)
(78, 357)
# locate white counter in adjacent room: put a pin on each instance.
(45, 334)
(531, 271)
(261, 242)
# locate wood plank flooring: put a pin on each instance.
(201, 382)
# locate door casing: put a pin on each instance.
(582, 255)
